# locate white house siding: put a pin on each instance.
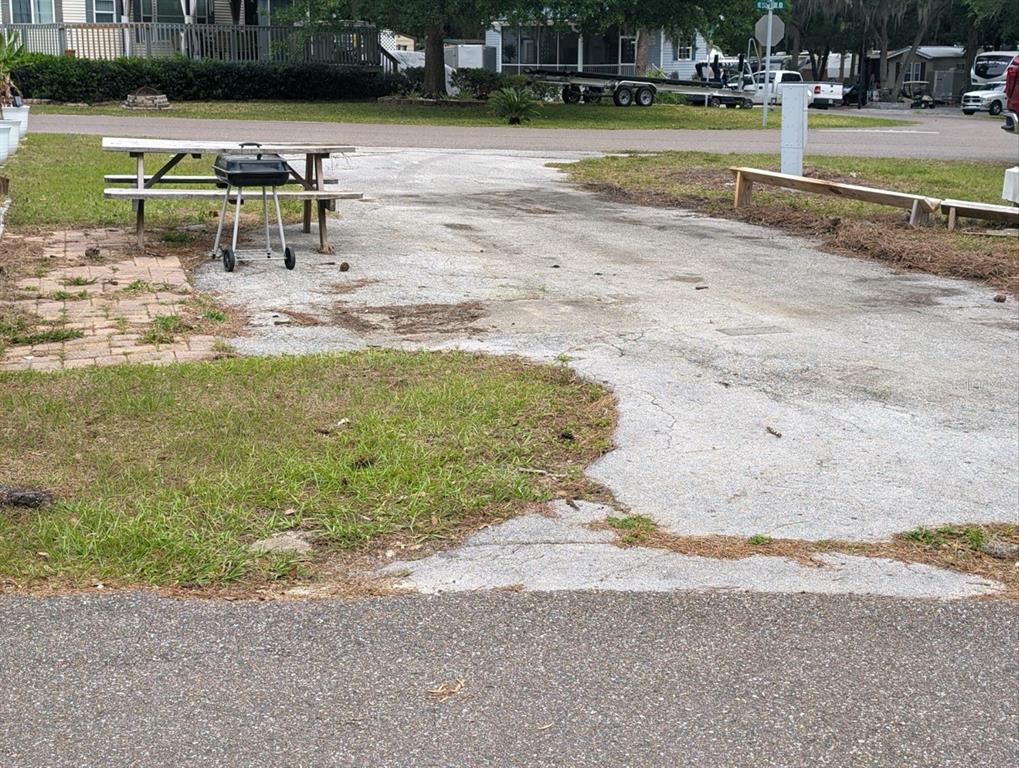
(74, 11)
(493, 39)
(684, 68)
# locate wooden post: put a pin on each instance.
(743, 189)
(920, 214)
(324, 246)
(951, 217)
(309, 169)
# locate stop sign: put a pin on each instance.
(761, 29)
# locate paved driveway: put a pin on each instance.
(933, 136)
(580, 679)
(764, 386)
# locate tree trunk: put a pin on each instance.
(883, 66)
(435, 60)
(972, 44)
(643, 46)
(921, 33)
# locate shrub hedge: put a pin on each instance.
(64, 78)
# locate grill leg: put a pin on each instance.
(265, 215)
(222, 217)
(237, 218)
(279, 220)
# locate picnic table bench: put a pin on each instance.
(315, 188)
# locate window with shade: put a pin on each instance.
(683, 51)
(32, 12)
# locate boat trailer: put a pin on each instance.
(625, 90)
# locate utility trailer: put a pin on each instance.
(625, 90)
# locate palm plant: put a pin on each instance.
(12, 53)
(517, 105)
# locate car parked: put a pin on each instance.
(990, 100)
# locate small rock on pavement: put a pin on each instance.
(282, 543)
(1005, 550)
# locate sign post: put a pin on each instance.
(772, 35)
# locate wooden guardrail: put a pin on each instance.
(955, 208)
(919, 206)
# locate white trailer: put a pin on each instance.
(625, 90)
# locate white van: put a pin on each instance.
(989, 67)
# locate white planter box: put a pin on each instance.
(14, 137)
(5, 134)
(20, 114)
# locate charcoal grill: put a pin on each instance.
(264, 170)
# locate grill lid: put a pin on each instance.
(261, 170)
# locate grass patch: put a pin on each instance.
(165, 474)
(633, 529)
(176, 236)
(163, 329)
(57, 180)
(69, 295)
(78, 281)
(215, 316)
(18, 328)
(604, 116)
(955, 547)
(702, 181)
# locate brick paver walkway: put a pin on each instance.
(112, 298)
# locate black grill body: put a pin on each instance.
(251, 170)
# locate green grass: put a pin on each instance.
(758, 540)
(21, 329)
(604, 115)
(57, 180)
(970, 537)
(634, 528)
(69, 295)
(165, 474)
(163, 329)
(674, 174)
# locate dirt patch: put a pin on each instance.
(410, 319)
(869, 232)
(413, 319)
(351, 286)
(955, 548)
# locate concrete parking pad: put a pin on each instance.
(764, 386)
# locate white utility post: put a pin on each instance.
(795, 100)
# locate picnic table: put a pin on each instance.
(314, 186)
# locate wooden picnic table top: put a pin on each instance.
(192, 147)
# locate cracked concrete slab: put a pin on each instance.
(548, 553)
(893, 393)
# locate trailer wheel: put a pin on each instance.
(229, 262)
(623, 97)
(645, 97)
(592, 96)
(714, 101)
(571, 94)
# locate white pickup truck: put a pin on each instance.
(822, 95)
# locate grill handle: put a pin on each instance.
(252, 144)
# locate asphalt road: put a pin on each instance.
(568, 679)
(932, 136)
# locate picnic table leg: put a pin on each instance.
(309, 169)
(139, 224)
(324, 246)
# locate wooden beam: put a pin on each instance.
(837, 189)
